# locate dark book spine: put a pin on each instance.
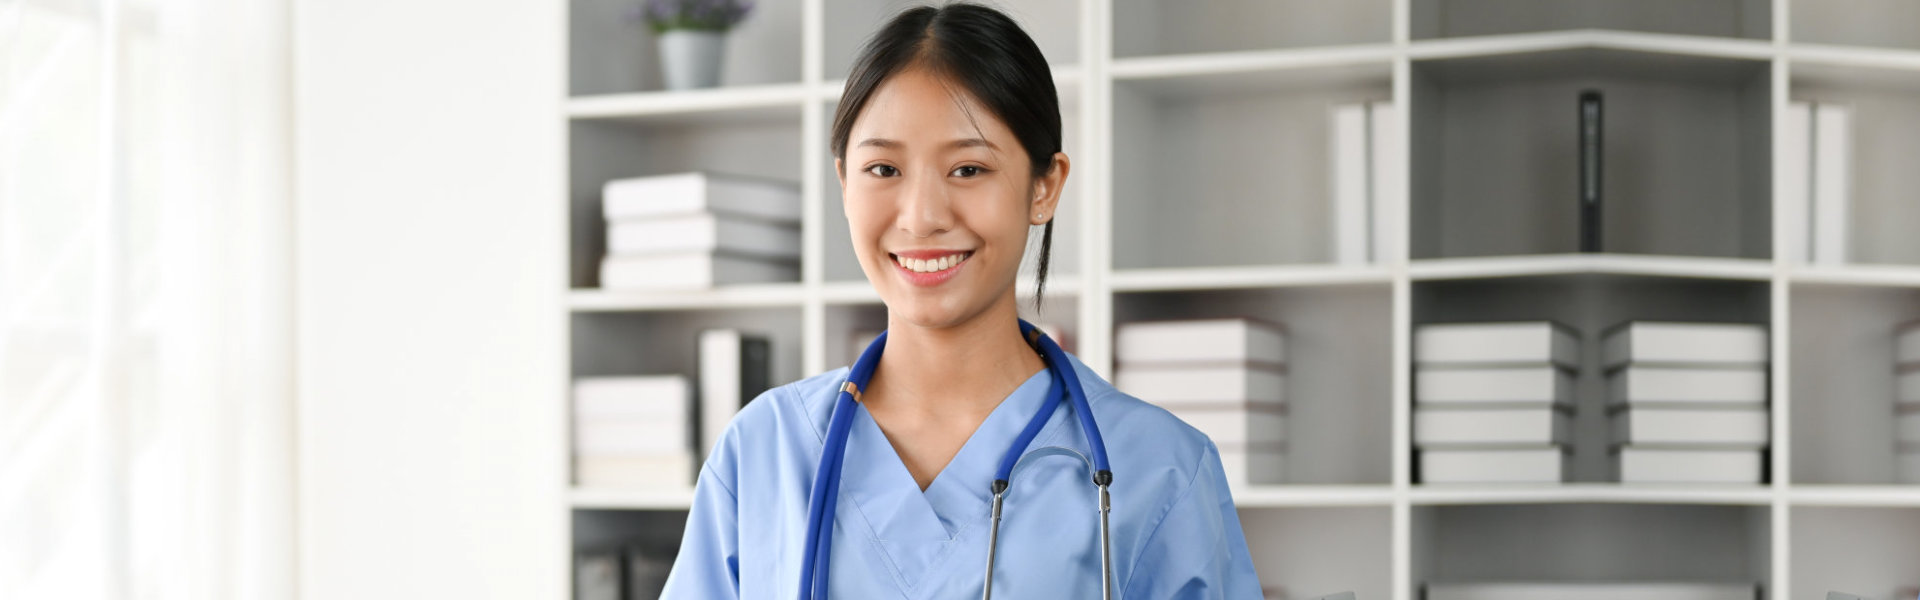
(1590, 171)
(756, 367)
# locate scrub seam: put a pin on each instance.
(1134, 567)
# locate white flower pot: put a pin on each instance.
(690, 59)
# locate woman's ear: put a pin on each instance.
(840, 171)
(1046, 189)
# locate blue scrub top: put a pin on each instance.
(1175, 531)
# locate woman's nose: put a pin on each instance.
(924, 208)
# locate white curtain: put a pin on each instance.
(146, 396)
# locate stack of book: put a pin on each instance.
(735, 367)
(699, 230)
(1688, 401)
(1225, 377)
(633, 432)
(1815, 167)
(1906, 357)
(1493, 402)
(1592, 591)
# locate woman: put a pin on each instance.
(947, 144)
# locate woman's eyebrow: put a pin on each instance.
(897, 144)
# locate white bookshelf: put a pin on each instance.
(1197, 132)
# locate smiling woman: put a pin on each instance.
(947, 144)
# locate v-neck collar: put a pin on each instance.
(917, 529)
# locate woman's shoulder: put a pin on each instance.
(799, 404)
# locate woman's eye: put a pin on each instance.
(968, 171)
(883, 170)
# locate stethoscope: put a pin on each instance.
(826, 481)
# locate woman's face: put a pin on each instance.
(939, 195)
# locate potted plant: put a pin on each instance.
(691, 36)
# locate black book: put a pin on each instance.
(1590, 171)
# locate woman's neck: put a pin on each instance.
(966, 369)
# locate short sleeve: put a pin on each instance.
(1197, 551)
(709, 562)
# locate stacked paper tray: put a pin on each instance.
(1493, 402)
(1225, 377)
(633, 432)
(1687, 402)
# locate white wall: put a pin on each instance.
(429, 275)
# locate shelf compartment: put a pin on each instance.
(1880, 23)
(652, 343)
(1590, 304)
(1149, 27)
(1841, 350)
(1549, 543)
(1339, 341)
(1884, 202)
(1230, 170)
(1747, 19)
(1592, 493)
(1687, 149)
(607, 52)
(1434, 269)
(760, 145)
(1313, 552)
(1054, 26)
(1865, 551)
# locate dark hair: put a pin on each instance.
(989, 56)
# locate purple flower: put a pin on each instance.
(709, 15)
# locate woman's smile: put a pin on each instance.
(929, 267)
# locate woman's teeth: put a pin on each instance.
(932, 265)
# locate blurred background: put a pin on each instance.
(1529, 298)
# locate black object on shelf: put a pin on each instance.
(1590, 171)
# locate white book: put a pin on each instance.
(1722, 427)
(1389, 172)
(1653, 384)
(658, 471)
(1908, 384)
(1259, 467)
(1545, 464)
(690, 270)
(1200, 341)
(1493, 385)
(1236, 426)
(1514, 344)
(685, 193)
(1796, 183)
(1191, 385)
(735, 367)
(647, 396)
(1591, 591)
(1702, 344)
(1533, 426)
(1636, 464)
(1832, 174)
(708, 232)
(600, 437)
(1906, 345)
(1352, 223)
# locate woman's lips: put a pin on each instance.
(929, 267)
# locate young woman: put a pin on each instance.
(881, 481)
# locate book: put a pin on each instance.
(1832, 174)
(1253, 467)
(597, 575)
(1493, 385)
(1906, 344)
(686, 193)
(1539, 464)
(607, 437)
(1387, 171)
(1233, 341)
(735, 367)
(1718, 426)
(1663, 464)
(646, 396)
(1351, 221)
(1681, 344)
(1533, 426)
(1796, 183)
(1179, 385)
(648, 565)
(1591, 591)
(705, 232)
(657, 471)
(1590, 170)
(690, 270)
(1653, 384)
(1511, 344)
(1236, 426)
